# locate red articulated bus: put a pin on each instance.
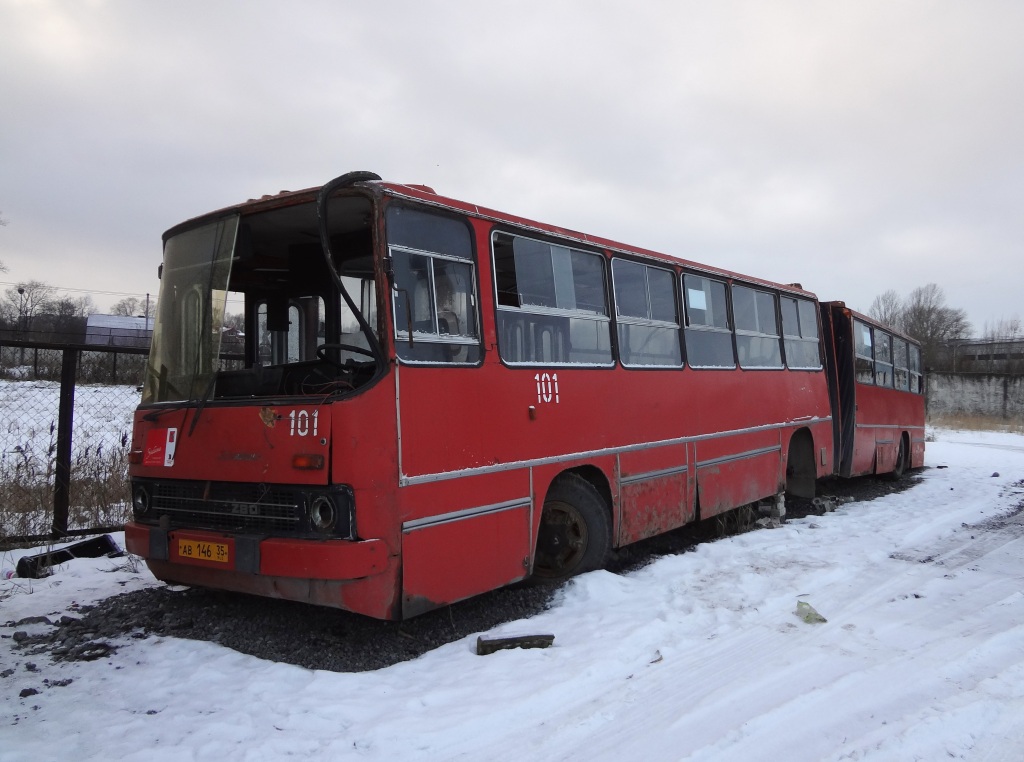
(430, 400)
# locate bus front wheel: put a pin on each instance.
(575, 530)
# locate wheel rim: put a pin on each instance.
(562, 540)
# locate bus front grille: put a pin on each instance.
(227, 506)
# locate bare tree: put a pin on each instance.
(1004, 328)
(24, 301)
(927, 318)
(130, 306)
(72, 307)
(887, 309)
(133, 306)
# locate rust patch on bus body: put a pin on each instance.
(268, 416)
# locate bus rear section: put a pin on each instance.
(876, 386)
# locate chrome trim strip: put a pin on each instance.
(738, 456)
(398, 418)
(633, 478)
(889, 426)
(466, 513)
(409, 481)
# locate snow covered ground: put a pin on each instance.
(697, 656)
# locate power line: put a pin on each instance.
(80, 290)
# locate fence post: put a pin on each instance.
(65, 419)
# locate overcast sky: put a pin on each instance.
(851, 146)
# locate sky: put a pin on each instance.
(700, 656)
(850, 147)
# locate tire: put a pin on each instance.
(900, 467)
(575, 530)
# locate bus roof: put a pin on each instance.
(426, 195)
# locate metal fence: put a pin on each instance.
(65, 433)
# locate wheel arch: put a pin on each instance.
(574, 484)
(597, 479)
(801, 468)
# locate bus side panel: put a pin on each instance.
(883, 416)
(654, 492)
(450, 561)
(739, 469)
(864, 447)
(917, 446)
(464, 538)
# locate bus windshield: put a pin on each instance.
(190, 311)
(250, 306)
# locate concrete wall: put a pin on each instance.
(988, 394)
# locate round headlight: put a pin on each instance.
(140, 501)
(322, 514)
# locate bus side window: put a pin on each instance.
(865, 358)
(800, 331)
(883, 359)
(915, 369)
(901, 359)
(552, 303)
(757, 333)
(708, 333)
(648, 319)
(434, 291)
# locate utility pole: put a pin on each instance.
(22, 321)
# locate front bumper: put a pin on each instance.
(331, 560)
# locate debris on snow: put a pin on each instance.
(486, 646)
(806, 611)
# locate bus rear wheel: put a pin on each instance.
(575, 530)
(901, 462)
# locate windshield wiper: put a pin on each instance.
(202, 403)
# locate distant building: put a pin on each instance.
(118, 331)
(984, 355)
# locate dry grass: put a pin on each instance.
(100, 490)
(973, 422)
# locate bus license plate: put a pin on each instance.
(216, 552)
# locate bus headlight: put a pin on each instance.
(322, 513)
(140, 501)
